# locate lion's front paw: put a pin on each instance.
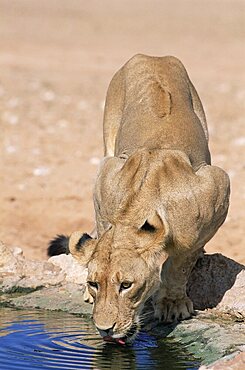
(167, 310)
(87, 296)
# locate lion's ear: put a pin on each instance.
(152, 224)
(155, 223)
(81, 246)
(155, 231)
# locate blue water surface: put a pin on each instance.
(48, 340)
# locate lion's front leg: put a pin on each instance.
(170, 310)
(170, 301)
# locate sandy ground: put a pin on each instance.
(56, 60)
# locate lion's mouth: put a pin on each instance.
(127, 339)
(109, 339)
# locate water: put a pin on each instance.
(54, 340)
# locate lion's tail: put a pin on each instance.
(59, 245)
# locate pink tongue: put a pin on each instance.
(117, 340)
(120, 341)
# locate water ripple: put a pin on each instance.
(54, 340)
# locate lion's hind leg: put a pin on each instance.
(170, 302)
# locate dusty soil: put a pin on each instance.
(57, 58)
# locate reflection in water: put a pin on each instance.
(54, 340)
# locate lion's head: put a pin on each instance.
(123, 272)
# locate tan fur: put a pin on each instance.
(157, 169)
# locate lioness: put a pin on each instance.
(157, 198)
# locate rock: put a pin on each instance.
(67, 297)
(9, 284)
(74, 272)
(39, 273)
(233, 301)
(208, 337)
(235, 361)
(19, 274)
(212, 277)
(11, 260)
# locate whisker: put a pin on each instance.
(148, 313)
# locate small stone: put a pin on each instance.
(48, 96)
(41, 171)
(10, 118)
(10, 261)
(35, 85)
(21, 187)
(10, 149)
(240, 95)
(17, 252)
(94, 160)
(224, 87)
(13, 102)
(240, 141)
(36, 151)
(82, 105)
(62, 123)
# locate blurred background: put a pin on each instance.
(57, 58)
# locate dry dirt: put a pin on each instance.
(57, 58)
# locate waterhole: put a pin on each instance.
(54, 340)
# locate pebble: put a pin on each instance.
(41, 171)
(35, 85)
(11, 149)
(13, 102)
(21, 187)
(82, 105)
(48, 95)
(240, 141)
(240, 95)
(10, 118)
(62, 123)
(36, 151)
(94, 160)
(223, 88)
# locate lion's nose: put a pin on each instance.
(104, 332)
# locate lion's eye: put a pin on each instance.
(93, 284)
(125, 285)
